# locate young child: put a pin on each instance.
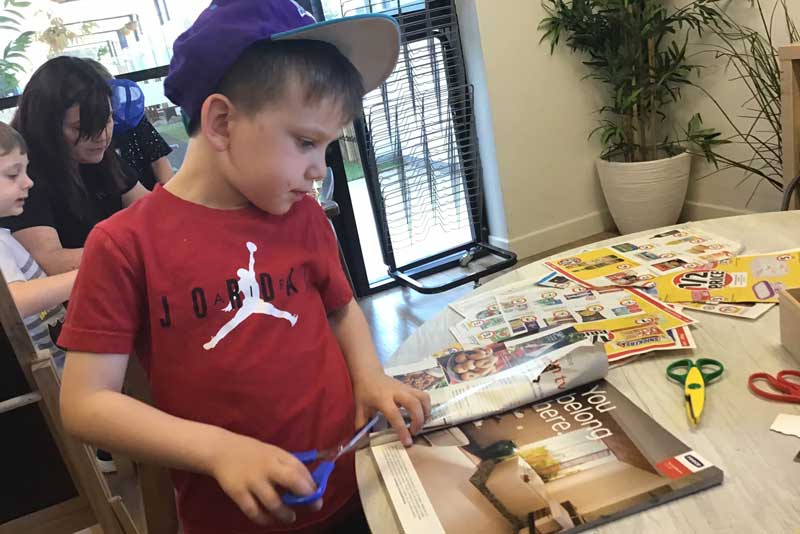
(138, 143)
(38, 297)
(227, 283)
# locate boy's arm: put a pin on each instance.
(373, 390)
(34, 296)
(94, 410)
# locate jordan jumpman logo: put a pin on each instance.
(252, 303)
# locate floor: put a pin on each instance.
(393, 315)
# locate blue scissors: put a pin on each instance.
(327, 458)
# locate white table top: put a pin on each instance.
(761, 490)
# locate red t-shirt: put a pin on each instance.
(227, 310)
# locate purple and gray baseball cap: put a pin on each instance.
(204, 53)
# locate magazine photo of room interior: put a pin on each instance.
(551, 467)
(556, 483)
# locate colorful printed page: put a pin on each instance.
(557, 281)
(455, 365)
(564, 303)
(533, 367)
(744, 279)
(627, 320)
(481, 332)
(485, 305)
(638, 262)
(745, 310)
(533, 308)
(425, 375)
(630, 342)
(527, 310)
(624, 308)
(480, 306)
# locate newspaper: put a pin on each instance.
(532, 368)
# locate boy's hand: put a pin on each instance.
(380, 393)
(251, 471)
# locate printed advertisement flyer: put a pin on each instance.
(756, 278)
(637, 262)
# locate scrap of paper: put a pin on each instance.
(787, 424)
(745, 310)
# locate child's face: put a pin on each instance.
(277, 153)
(14, 183)
(86, 151)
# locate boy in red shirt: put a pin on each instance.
(227, 284)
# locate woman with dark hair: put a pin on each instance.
(64, 114)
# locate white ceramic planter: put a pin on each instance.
(645, 195)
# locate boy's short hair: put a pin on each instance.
(266, 70)
(11, 139)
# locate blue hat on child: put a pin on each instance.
(204, 52)
(127, 104)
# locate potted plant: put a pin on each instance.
(13, 59)
(58, 36)
(751, 56)
(637, 49)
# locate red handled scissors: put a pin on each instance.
(781, 388)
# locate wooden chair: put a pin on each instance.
(158, 495)
(84, 497)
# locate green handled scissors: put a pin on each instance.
(694, 375)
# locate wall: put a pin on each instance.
(534, 113)
(722, 193)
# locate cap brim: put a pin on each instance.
(370, 42)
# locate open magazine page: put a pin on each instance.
(575, 460)
(467, 384)
(536, 380)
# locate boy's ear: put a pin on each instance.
(215, 117)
